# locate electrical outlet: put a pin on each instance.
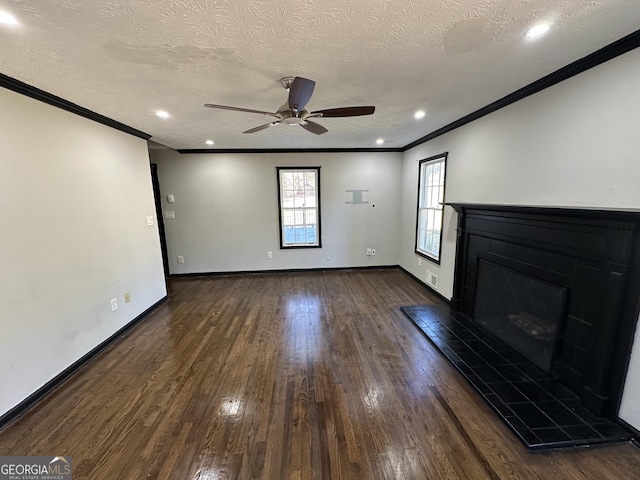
(373, 251)
(180, 259)
(368, 252)
(269, 254)
(127, 297)
(114, 304)
(149, 221)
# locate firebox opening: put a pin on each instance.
(523, 311)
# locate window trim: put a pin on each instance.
(280, 210)
(443, 157)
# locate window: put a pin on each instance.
(431, 183)
(299, 203)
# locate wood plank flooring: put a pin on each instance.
(292, 376)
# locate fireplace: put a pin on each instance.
(561, 287)
(523, 311)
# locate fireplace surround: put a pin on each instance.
(585, 262)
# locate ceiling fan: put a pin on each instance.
(292, 112)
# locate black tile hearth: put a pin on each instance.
(540, 411)
(554, 284)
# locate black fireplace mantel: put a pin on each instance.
(594, 255)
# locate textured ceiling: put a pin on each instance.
(126, 59)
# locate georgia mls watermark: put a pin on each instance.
(35, 468)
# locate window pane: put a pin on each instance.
(287, 180)
(430, 221)
(289, 235)
(287, 217)
(311, 234)
(438, 219)
(430, 206)
(310, 180)
(287, 199)
(310, 216)
(299, 202)
(310, 197)
(423, 218)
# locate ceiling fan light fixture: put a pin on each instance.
(7, 18)
(162, 114)
(209, 142)
(380, 141)
(293, 111)
(292, 120)
(537, 30)
(419, 114)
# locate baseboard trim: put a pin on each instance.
(633, 430)
(16, 412)
(175, 276)
(424, 284)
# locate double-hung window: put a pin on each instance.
(431, 182)
(299, 205)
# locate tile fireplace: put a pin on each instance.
(542, 318)
(579, 269)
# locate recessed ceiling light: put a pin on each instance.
(537, 30)
(209, 142)
(419, 114)
(380, 141)
(7, 18)
(162, 114)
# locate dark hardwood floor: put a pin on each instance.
(315, 375)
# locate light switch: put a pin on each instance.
(170, 214)
(170, 199)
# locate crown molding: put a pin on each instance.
(20, 87)
(611, 51)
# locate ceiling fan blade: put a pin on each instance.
(238, 109)
(313, 127)
(300, 92)
(343, 112)
(261, 127)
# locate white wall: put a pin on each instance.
(630, 407)
(575, 144)
(226, 208)
(409, 260)
(74, 197)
